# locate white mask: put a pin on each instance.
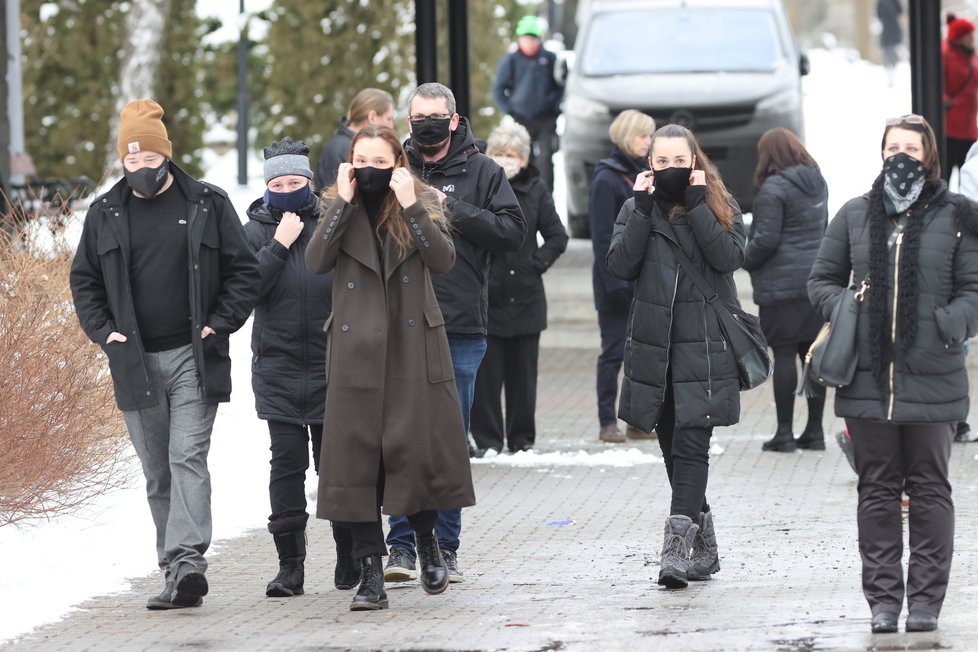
(511, 166)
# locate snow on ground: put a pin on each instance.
(49, 566)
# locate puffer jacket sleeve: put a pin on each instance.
(833, 267)
(271, 255)
(765, 228)
(629, 240)
(958, 320)
(723, 249)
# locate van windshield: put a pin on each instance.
(708, 39)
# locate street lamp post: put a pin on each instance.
(243, 100)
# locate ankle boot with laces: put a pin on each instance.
(431, 565)
(680, 531)
(371, 595)
(705, 560)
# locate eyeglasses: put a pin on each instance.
(910, 119)
(420, 117)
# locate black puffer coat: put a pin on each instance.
(517, 302)
(288, 367)
(929, 382)
(670, 325)
(790, 214)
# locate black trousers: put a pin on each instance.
(368, 536)
(614, 330)
(543, 141)
(957, 152)
(289, 462)
(785, 381)
(892, 458)
(686, 452)
(510, 363)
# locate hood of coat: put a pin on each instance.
(807, 179)
(460, 148)
(259, 211)
(621, 163)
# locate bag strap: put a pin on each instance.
(694, 274)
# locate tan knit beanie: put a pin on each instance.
(141, 129)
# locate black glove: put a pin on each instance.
(643, 202)
(694, 196)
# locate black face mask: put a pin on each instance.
(901, 171)
(430, 132)
(670, 183)
(148, 181)
(373, 181)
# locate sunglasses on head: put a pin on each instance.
(910, 119)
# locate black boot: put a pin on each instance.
(346, 574)
(434, 573)
(782, 442)
(812, 438)
(291, 557)
(371, 594)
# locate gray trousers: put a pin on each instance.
(892, 458)
(172, 440)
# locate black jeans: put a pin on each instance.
(686, 452)
(892, 458)
(510, 363)
(289, 462)
(785, 381)
(614, 330)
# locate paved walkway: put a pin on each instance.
(785, 523)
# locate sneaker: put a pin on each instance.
(964, 433)
(451, 562)
(400, 567)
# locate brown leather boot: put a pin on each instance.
(611, 434)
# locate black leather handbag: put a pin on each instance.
(741, 329)
(831, 359)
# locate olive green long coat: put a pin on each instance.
(390, 388)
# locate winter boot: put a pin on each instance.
(371, 594)
(680, 532)
(434, 573)
(346, 574)
(782, 442)
(705, 560)
(812, 439)
(291, 547)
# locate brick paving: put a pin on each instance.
(785, 523)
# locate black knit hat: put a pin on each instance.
(286, 156)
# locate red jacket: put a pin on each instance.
(961, 119)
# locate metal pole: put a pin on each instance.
(926, 68)
(426, 41)
(243, 100)
(15, 89)
(458, 55)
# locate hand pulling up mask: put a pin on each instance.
(289, 202)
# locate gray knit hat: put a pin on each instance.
(284, 157)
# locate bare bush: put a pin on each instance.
(62, 441)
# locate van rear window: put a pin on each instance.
(680, 40)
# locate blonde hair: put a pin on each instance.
(513, 137)
(627, 125)
(367, 100)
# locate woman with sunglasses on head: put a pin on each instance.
(391, 436)
(916, 245)
(680, 377)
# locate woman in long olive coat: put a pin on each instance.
(390, 394)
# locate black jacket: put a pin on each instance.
(526, 88)
(337, 151)
(671, 327)
(288, 365)
(612, 185)
(224, 287)
(517, 302)
(790, 214)
(486, 218)
(929, 382)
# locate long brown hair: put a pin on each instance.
(932, 161)
(777, 150)
(390, 219)
(716, 192)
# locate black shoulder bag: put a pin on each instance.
(741, 329)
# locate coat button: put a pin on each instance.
(196, 266)
(427, 244)
(512, 272)
(405, 279)
(512, 299)
(351, 285)
(205, 210)
(411, 322)
(345, 328)
(148, 392)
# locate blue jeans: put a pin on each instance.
(467, 352)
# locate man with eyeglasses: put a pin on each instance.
(486, 218)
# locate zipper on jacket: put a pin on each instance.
(893, 320)
(672, 318)
(709, 366)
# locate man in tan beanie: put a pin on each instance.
(161, 278)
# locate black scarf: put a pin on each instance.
(882, 348)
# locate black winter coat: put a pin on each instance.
(790, 214)
(486, 218)
(671, 327)
(288, 346)
(929, 382)
(517, 302)
(224, 287)
(612, 185)
(337, 151)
